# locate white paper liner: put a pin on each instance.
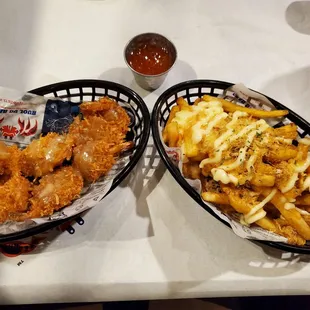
(90, 195)
(236, 93)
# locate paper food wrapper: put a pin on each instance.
(236, 93)
(23, 118)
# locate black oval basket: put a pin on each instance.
(78, 91)
(190, 91)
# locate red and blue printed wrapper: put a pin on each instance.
(23, 118)
(238, 94)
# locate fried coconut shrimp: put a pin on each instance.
(14, 189)
(109, 110)
(43, 155)
(5, 155)
(9, 160)
(94, 143)
(95, 158)
(55, 191)
(14, 194)
(95, 128)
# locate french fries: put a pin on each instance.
(245, 166)
(287, 132)
(191, 148)
(291, 215)
(263, 180)
(167, 135)
(281, 153)
(303, 200)
(182, 104)
(219, 198)
(191, 170)
(197, 101)
(232, 107)
(172, 134)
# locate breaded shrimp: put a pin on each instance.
(109, 110)
(9, 159)
(14, 194)
(4, 157)
(43, 155)
(95, 128)
(95, 158)
(55, 191)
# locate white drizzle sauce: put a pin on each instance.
(306, 183)
(241, 156)
(300, 168)
(257, 212)
(302, 212)
(209, 114)
(258, 127)
(290, 206)
(290, 184)
(213, 120)
(250, 162)
(223, 176)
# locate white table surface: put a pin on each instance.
(148, 239)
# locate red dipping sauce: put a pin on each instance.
(150, 59)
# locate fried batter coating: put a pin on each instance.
(55, 191)
(4, 157)
(95, 128)
(97, 139)
(109, 110)
(289, 232)
(14, 194)
(95, 158)
(43, 155)
(9, 159)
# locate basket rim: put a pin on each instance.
(123, 173)
(175, 171)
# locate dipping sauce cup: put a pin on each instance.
(150, 56)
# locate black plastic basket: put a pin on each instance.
(78, 91)
(190, 91)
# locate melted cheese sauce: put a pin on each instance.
(198, 132)
(205, 110)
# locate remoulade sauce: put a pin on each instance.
(150, 59)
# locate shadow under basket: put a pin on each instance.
(78, 91)
(190, 91)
